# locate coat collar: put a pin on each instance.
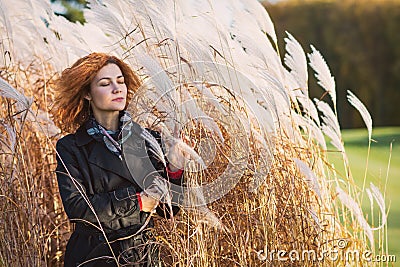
(105, 159)
(82, 137)
(100, 155)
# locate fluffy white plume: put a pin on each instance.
(105, 14)
(255, 44)
(330, 125)
(155, 146)
(28, 33)
(374, 193)
(313, 131)
(328, 116)
(323, 73)
(6, 90)
(42, 122)
(209, 96)
(296, 60)
(357, 104)
(355, 208)
(308, 107)
(158, 76)
(5, 23)
(309, 175)
(260, 15)
(193, 111)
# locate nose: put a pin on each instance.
(116, 88)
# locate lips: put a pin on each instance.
(119, 99)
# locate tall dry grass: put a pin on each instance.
(285, 213)
(34, 226)
(296, 207)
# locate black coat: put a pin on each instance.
(85, 167)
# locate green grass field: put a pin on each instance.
(387, 179)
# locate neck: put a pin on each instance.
(108, 120)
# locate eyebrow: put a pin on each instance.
(109, 78)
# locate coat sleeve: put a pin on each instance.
(78, 204)
(176, 178)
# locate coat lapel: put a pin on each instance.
(101, 156)
(135, 156)
(105, 159)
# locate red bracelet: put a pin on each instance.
(174, 175)
(139, 200)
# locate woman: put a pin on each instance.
(110, 210)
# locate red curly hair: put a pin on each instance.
(71, 109)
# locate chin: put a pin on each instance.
(118, 107)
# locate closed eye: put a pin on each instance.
(120, 80)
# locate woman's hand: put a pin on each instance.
(179, 153)
(176, 157)
(148, 203)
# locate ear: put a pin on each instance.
(88, 97)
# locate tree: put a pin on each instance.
(70, 9)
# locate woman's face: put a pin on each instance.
(108, 90)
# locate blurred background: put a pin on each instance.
(360, 41)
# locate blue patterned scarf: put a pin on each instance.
(112, 140)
